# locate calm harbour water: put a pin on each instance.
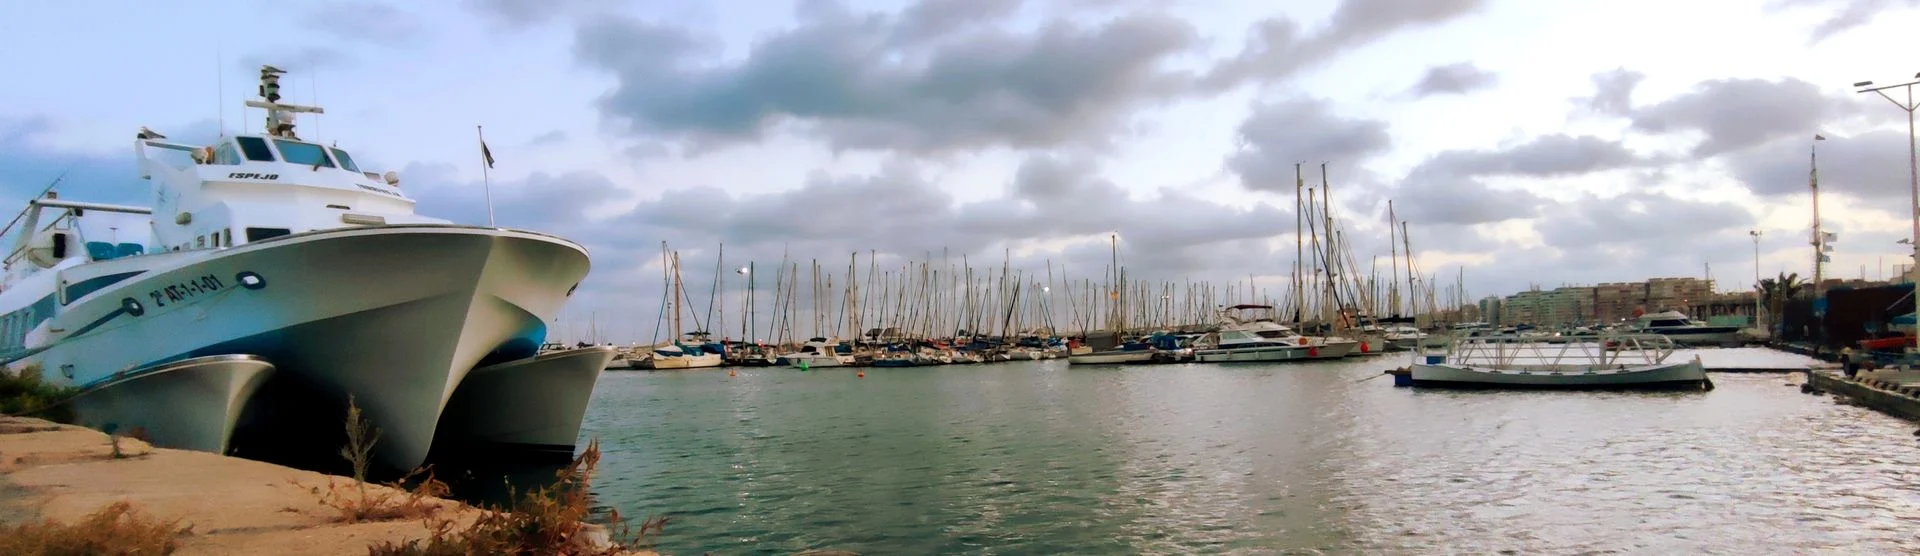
(1043, 458)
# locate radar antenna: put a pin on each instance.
(279, 116)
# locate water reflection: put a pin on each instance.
(1044, 458)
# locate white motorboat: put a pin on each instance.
(679, 356)
(1401, 337)
(533, 404)
(1684, 330)
(1248, 346)
(191, 404)
(817, 353)
(274, 246)
(1113, 357)
(1593, 362)
(1246, 338)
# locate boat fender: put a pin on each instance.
(1313, 352)
(1707, 384)
(1363, 347)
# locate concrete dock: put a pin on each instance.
(1893, 392)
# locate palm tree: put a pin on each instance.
(1776, 291)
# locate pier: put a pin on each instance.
(1893, 392)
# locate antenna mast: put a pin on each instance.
(279, 116)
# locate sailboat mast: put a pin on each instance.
(1299, 246)
(1393, 245)
(678, 291)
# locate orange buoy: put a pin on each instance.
(730, 372)
(860, 374)
(1363, 347)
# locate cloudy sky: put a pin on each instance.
(1526, 142)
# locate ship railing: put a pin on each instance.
(1532, 351)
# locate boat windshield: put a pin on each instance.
(345, 161)
(1276, 333)
(305, 154)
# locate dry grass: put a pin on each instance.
(356, 504)
(551, 520)
(115, 529)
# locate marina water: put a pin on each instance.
(1038, 457)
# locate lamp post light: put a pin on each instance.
(1913, 155)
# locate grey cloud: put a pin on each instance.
(1277, 49)
(27, 166)
(549, 138)
(520, 14)
(1544, 156)
(934, 19)
(371, 22)
(1845, 14)
(541, 201)
(1613, 93)
(1625, 238)
(1641, 224)
(838, 75)
(1870, 166)
(1461, 201)
(1448, 188)
(1738, 113)
(1279, 134)
(297, 59)
(1452, 79)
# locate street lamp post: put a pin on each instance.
(1757, 291)
(1819, 238)
(1913, 155)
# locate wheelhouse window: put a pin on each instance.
(304, 154)
(226, 155)
(256, 149)
(345, 161)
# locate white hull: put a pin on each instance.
(189, 405)
(816, 360)
(1729, 338)
(1027, 354)
(393, 316)
(1332, 348)
(702, 361)
(1252, 355)
(1111, 358)
(1570, 376)
(537, 402)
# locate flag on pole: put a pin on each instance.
(486, 153)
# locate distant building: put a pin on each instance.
(1490, 310)
(1610, 302)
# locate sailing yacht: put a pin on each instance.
(277, 247)
(691, 350)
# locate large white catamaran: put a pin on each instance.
(309, 280)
